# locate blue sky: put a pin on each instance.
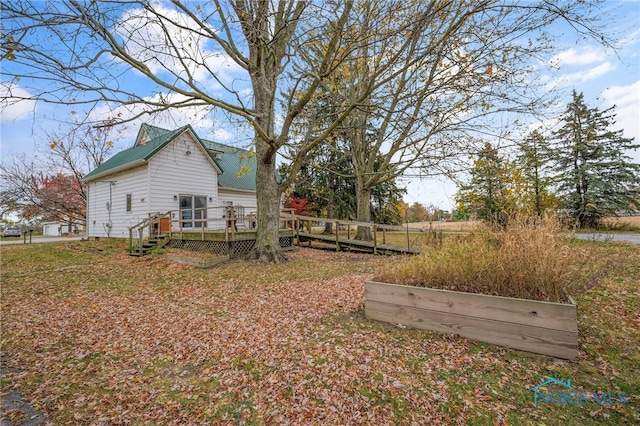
(606, 77)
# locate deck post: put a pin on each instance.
(375, 240)
(408, 244)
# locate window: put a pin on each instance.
(128, 203)
(193, 208)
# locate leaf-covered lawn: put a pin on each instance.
(93, 336)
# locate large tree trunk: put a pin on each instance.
(267, 248)
(331, 184)
(363, 211)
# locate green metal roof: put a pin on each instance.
(238, 166)
(152, 132)
(135, 155)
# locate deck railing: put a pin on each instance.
(228, 219)
(237, 220)
(343, 232)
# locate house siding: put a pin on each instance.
(102, 191)
(173, 173)
(239, 198)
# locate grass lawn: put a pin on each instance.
(91, 335)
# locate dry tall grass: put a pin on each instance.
(529, 259)
(623, 223)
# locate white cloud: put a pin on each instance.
(15, 104)
(630, 39)
(575, 78)
(200, 118)
(627, 102)
(585, 56)
(165, 47)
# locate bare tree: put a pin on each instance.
(48, 184)
(84, 52)
(462, 65)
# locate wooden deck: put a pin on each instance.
(161, 227)
(342, 243)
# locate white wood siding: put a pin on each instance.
(132, 182)
(239, 198)
(173, 172)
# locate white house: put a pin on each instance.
(168, 171)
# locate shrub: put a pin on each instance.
(530, 258)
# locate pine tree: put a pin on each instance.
(532, 162)
(488, 194)
(594, 175)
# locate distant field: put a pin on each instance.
(631, 220)
(446, 226)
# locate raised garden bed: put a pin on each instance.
(529, 325)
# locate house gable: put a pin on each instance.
(144, 149)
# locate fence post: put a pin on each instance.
(375, 239)
(408, 248)
(336, 224)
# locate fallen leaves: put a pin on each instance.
(148, 341)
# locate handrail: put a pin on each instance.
(351, 222)
(374, 227)
(154, 231)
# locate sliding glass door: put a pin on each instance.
(193, 209)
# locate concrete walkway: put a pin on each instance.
(610, 236)
(37, 240)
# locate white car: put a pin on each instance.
(11, 231)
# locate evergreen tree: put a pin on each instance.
(488, 194)
(532, 162)
(594, 175)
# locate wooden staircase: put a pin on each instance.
(157, 237)
(150, 245)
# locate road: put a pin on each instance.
(37, 240)
(598, 236)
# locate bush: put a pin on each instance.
(529, 258)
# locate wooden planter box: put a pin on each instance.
(529, 325)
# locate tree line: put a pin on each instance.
(582, 172)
